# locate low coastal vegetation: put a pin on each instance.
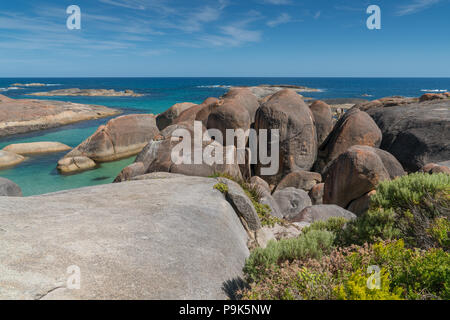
(404, 233)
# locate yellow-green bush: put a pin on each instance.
(355, 288)
(342, 274)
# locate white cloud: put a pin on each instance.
(278, 2)
(317, 15)
(416, 6)
(281, 19)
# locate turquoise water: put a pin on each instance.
(38, 175)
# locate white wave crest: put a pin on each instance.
(434, 90)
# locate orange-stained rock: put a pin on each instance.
(432, 96)
(432, 168)
(300, 180)
(354, 128)
(121, 137)
(166, 118)
(316, 193)
(323, 119)
(287, 112)
(354, 173)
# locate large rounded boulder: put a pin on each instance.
(9, 188)
(168, 238)
(9, 159)
(354, 128)
(356, 172)
(197, 113)
(287, 112)
(291, 201)
(166, 118)
(230, 114)
(322, 213)
(245, 98)
(120, 138)
(415, 133)
(323, 119)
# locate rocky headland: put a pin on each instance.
(87, 92)
(26, 115)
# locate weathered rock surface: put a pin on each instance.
(241, 204)
(36, 148)
(158, 239)
(233, 112)
(21, 116)
(75, 164)
(354, 128)
(287, 112)
(120, 138)
(361, 205)
(259, 184)
(133, 170)
(269, 200)
(245, 98)
(435, 168)
(263, 189)
(322, 213)
(323, 119)
(414, 133)
(277, 232)
(9, 159)
(265, 90)
(291, 201)
(354, 173)
(432, 96)
(88, 92)
(9, 188)
(204, 111)
(316, 193)
(300, 179)
(166, 118)
(157, 157)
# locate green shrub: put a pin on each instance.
(355, 288)
(405, 208)
(309, 245)
(222, 187)
(440, 231)
(342, 274)
(334, 224)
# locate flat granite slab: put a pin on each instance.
(172, 238)
(26, 115)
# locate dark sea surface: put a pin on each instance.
(38, 175)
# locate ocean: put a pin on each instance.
(38, 175)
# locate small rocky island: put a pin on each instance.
(265, 90)
(88, 92)
(28, 85)
(26, 115)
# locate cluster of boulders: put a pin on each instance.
(192, 231)
(327, 166)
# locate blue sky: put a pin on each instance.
(225, 38)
